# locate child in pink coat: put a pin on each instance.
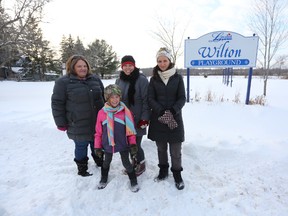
(115, 132)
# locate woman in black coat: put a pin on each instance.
(77, 97)
(166, 98)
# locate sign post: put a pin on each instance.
(188, 83)
(249, 85)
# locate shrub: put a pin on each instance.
(209, 96)
(197, 97)
(237, 98)
(261, 100)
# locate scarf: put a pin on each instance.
(132, 80)
(165, 75)
(129, 123)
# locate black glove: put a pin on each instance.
(133, 150)
(162, 112)
(98, 152)
(172, 111)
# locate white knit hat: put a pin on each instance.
(163, 51)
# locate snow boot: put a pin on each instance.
(83, 167)
(104, 178)
(140, 168)
(179, 183)
(133, 181)
(163, 172)
(98, 160)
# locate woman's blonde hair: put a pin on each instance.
(71, 62)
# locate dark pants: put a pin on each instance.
(175, 153)
(124, 158)
(140, 153)
(81, 149)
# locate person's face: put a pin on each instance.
(81, 68)
(163, 63)
(114, 100)
(128, 69)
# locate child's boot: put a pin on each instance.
(133, 181)
(104, 178)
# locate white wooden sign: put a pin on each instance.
(221, 49)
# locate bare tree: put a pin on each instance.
(13, 24)
(166, 34)
(269, 22)
(280, 61)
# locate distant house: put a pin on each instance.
(14, 73)
(17, 69)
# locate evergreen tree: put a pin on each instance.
(7, 47)
(13, 26)
(37, 49)
(79, 47)
(101, 58)
(67, 48)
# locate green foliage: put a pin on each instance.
(20, 36)
(37, 49)
(79, 47)
(13, 26)
(67, 48)
(101, 57)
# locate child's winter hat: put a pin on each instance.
(127, 59)
(163, 51)
(110, 90)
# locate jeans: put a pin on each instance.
(81, 149)
(175, 153)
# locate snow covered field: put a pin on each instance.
(235, 158)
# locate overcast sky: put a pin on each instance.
(128, 25)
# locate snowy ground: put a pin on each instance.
(235, 158)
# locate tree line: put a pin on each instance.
(22, 45)
(22, 42)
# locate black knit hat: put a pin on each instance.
(127, 59)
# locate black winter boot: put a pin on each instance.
(163, 172)
(83, 167)
(98, 160)
(179, 183)
(133, 181)
(104, 178)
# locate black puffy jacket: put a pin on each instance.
(75, 103)
(163, 97)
